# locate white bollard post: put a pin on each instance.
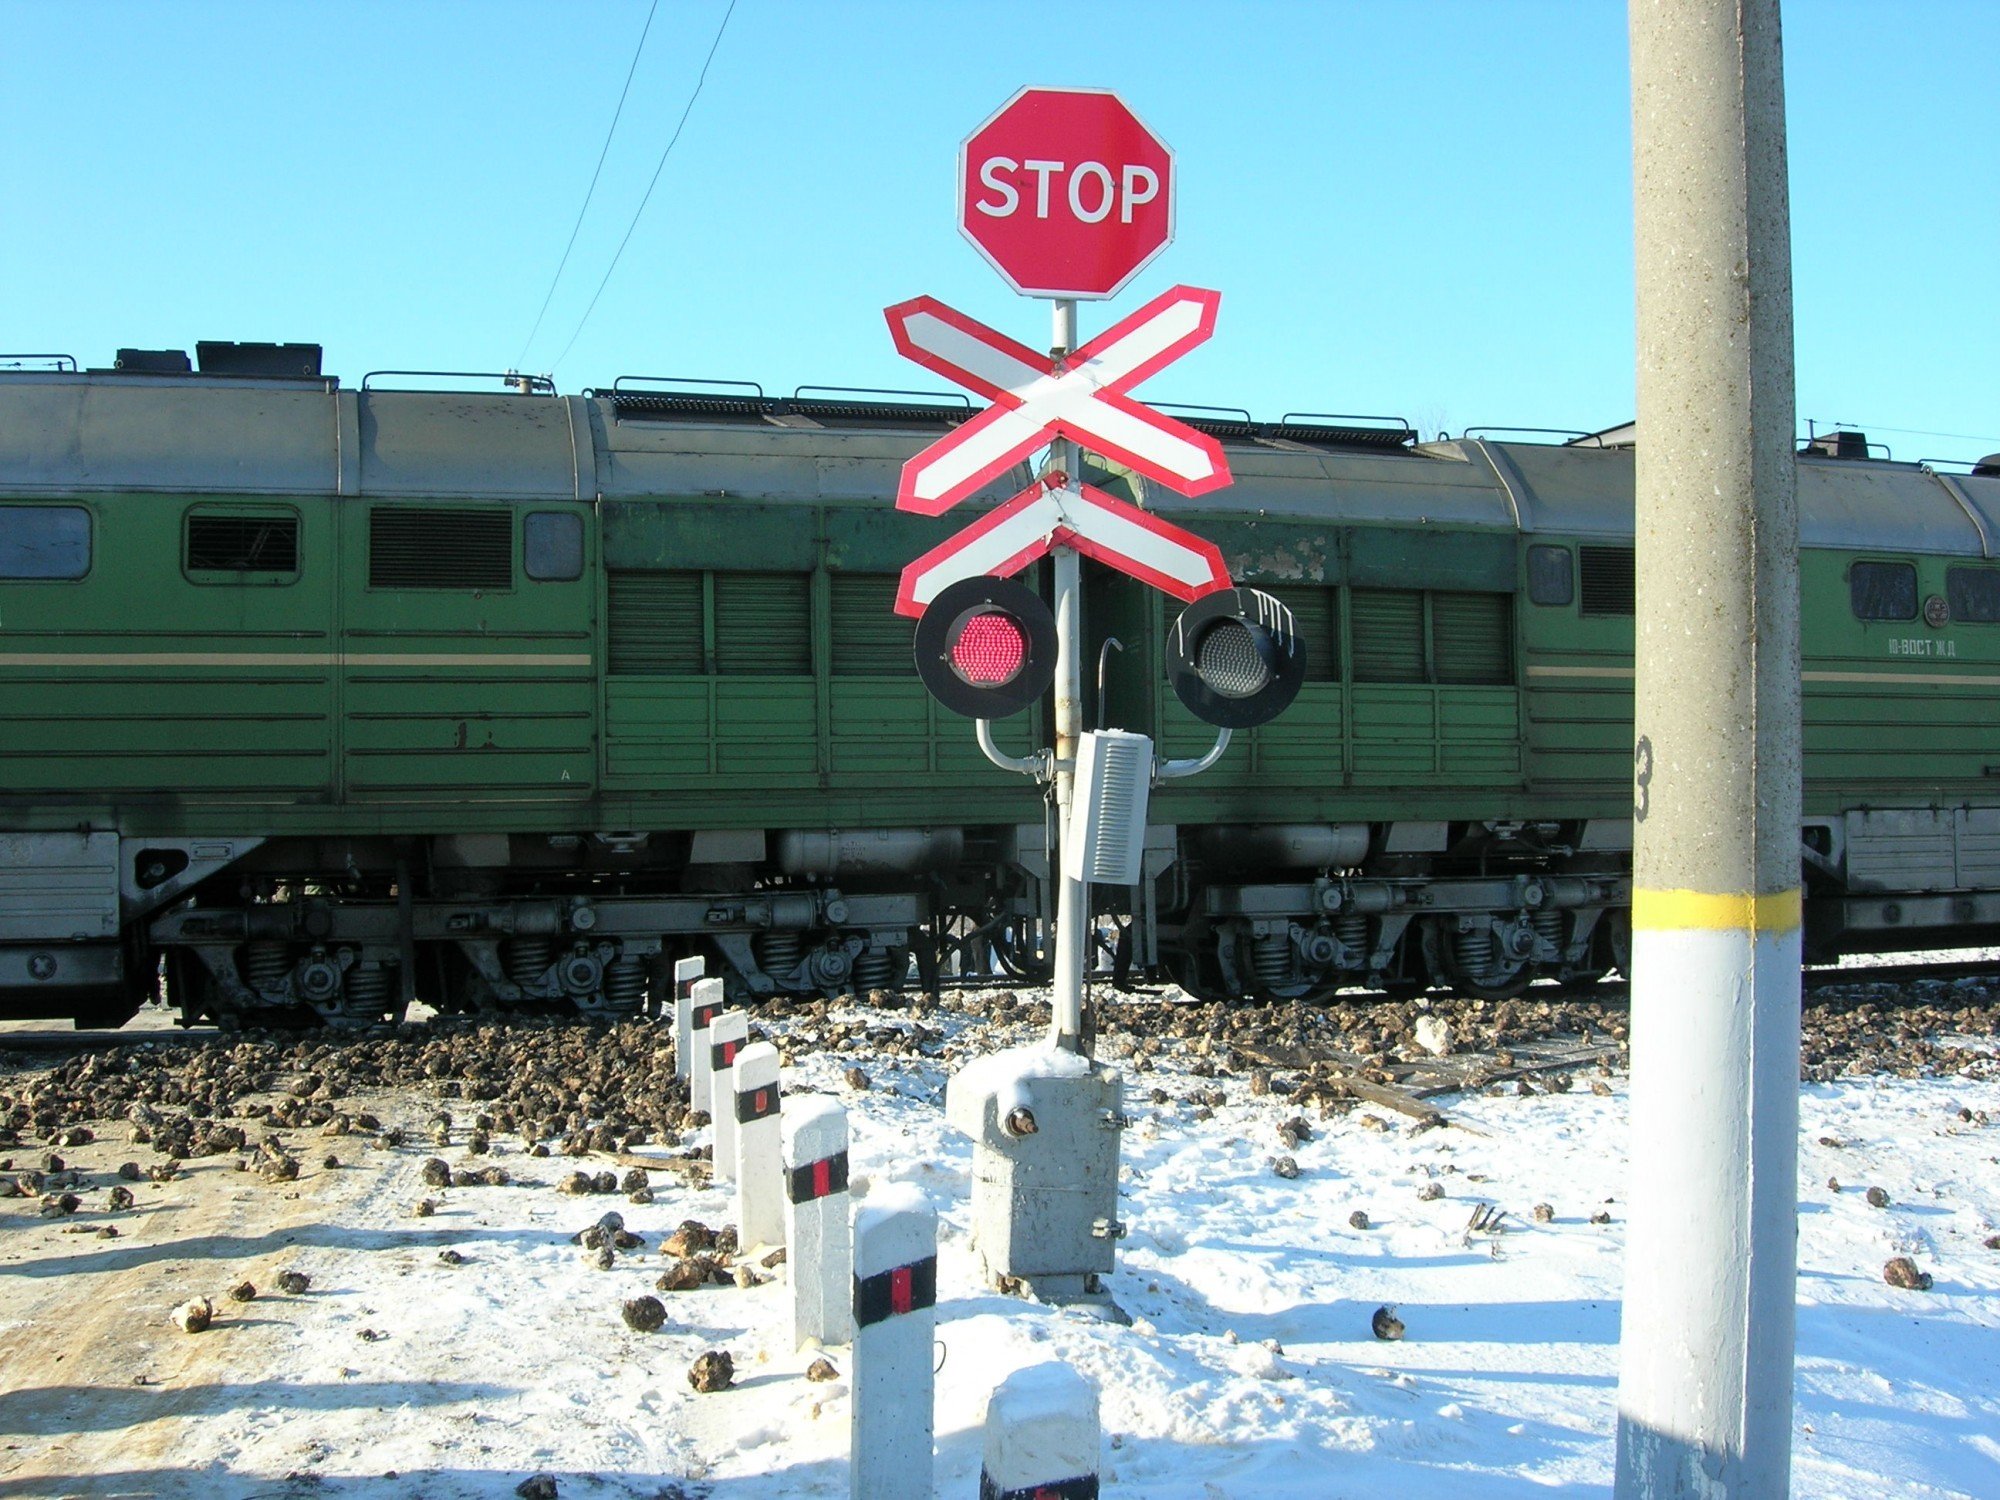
(726, 1035)
(705, 1003)
(1041, 1437)
(895, 1297)
(686, 972)
(819, 1253)
(760, 1190)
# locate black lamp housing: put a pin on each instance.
(941, 632)
(1235, 659)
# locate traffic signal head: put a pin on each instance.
(1235, 658)
(986, 647)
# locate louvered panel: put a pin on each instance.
(1472, 637)
(1608, 587)
(1388, 635)
(1316, 614)
(655, 623)
(763, 624)
(869, 637)
(440, 547)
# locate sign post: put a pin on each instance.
(1068, 195)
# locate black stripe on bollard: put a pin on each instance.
(898, 1290)
(817, 1179)
(1083, 1487)
(703, 1016)
(722, 1054)
(757, 1104)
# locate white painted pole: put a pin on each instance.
(1705, 1379)
(726, 1035)
(1041, 1437)
(1072, 896)
(760, 1184)
(686, 972)
(820, 1254)
(895, 1297)
(705, 1004)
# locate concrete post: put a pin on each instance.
(760, 1197)
(686, 972)
(726, 1035)
(1705, 1387)
(820, 1254)
(705, 1002)
(1041, 1437)
(895, 1297)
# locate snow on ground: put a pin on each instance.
(1248, 1370)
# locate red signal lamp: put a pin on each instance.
(1235, 659)
(986, 647)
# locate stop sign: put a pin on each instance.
(1066, 192)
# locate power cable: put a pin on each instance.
(589, 191)
(644, 200)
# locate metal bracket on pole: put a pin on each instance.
(1040, 765)
(1168, 770)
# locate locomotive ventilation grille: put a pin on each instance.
(1607, 580)
(440, 547)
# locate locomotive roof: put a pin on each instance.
(71, 432)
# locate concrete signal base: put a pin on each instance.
(1044, 1126)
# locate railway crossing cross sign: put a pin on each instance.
(1036, 399)
(1066, 192)
(1044, 516)
(1083, 396)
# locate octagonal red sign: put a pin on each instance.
(1066, 192)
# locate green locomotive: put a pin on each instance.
(317, 699)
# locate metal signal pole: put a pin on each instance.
(1072, 896)
(1705, 1386)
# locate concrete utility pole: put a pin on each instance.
(1705, 1389)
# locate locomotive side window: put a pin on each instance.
(763, 624)
(440, 547)
(1883, 590)
(1316, 614)
(1974, 594)
(1609, 584)
(552, 546)
(44, 541)
(869, 638)
(1550, 578)
(235, 547)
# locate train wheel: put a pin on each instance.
(1471, 963)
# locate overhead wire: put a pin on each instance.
(1968, 437)
(590, 191)
(647, 196)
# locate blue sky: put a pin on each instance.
(1421, 209)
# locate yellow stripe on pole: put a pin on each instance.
(1679, 911)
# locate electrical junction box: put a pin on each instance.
(1045, 1127)
(1106, 840)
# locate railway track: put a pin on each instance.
(1818, 980)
